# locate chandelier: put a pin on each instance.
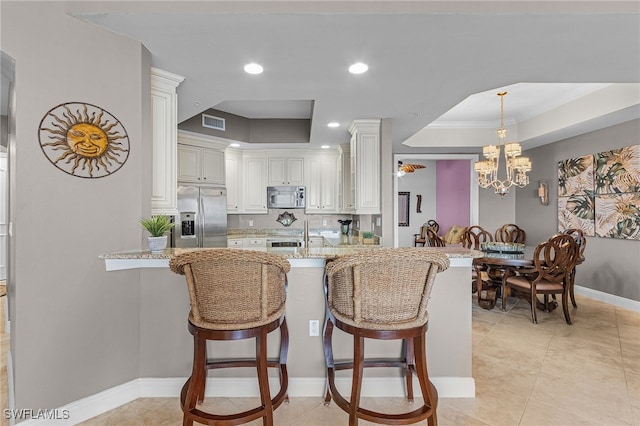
(515, 165)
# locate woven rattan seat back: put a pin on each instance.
(474, 236)
(233, 289)
(385, 288)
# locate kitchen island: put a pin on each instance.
(166, 346)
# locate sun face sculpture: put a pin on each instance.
(83, 140)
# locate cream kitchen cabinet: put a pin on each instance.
(200, 165)
(365, 165)
(321, 178)
(259, 244)
(254, 183)
(164, 118)
(233, 177)
(345, 195)
(286, 171)
(200, 159)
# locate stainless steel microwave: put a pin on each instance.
(286, 197)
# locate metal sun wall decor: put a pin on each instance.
(600, 193)
(83, 140)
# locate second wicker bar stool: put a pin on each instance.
(382, 294)
(234, 294)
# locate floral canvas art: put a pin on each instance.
(576, 212)
(575, 176)
(618, 215)
(600, 193)
(618, 171)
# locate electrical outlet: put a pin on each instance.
(250, 223)
(378, 221)
(324, 222)
(314, 327)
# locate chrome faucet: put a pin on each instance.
(306, 233)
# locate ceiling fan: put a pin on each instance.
(408, 168)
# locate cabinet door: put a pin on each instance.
(212, 166)
(188, 164)
(254, 185)
(329, 180)
(286, 171)
(295, 171)
(313, 180)
(321, 177)
(233, 180)
(277, 172)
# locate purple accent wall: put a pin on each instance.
(452, 193)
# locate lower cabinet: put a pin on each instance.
(259, 244)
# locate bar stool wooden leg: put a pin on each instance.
(409, 360)
(429, 392)
(263, 377)
(356, 383)
(194, 387)
(328, 356)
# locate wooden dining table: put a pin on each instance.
(494, 265)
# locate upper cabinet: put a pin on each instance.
(233, 173)
(286, 171)
(345, 194)
(365, 165)
(254, 185)
(164, 118)
(200, 159)
(321, 178)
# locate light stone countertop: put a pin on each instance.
(293, 252)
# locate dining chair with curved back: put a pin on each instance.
(234, 295)
(511, 233)
(421, 238)
(382, 294)
(433, 239)
(553, 261)
(577, 235)
(474, 236)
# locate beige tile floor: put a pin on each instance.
(545, 374)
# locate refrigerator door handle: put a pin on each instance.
(200, 222)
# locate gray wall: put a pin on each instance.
(612, 266)
(75, 328)
(263, 130)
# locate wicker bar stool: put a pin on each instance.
(234, 294)
(382, 294)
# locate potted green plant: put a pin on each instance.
(367, 237)
(157, 226)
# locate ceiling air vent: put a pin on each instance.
(212, 122)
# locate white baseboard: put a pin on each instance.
(632, 305)
(86, 408)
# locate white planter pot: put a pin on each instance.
(157, 244)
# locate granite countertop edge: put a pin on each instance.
(299, 253)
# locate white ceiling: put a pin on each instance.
(426, 59)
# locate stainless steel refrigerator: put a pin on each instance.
(202, 217)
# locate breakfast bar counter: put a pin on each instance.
(166, 346)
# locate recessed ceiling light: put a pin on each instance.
(358, 68)
(253, 68)
(325, 146)
(334, 124)
(235, 145)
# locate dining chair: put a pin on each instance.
(433, 239)
(553, 261)
(234, 295)
(511, 233)
(420, 238)
(383, 295)
(577, 235)
(433, 225)
(474, 236)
